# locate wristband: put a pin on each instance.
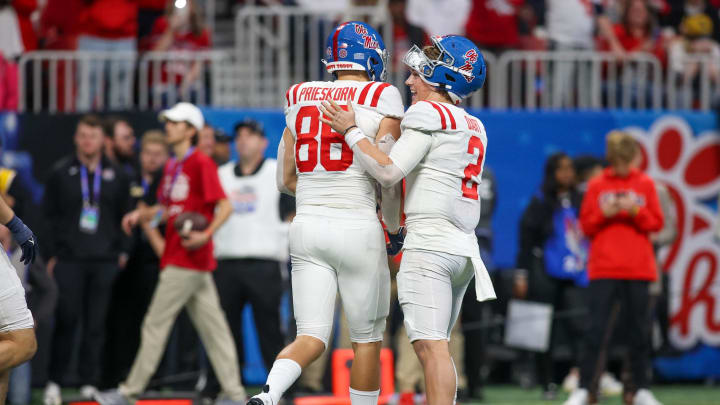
(354, 136)
(349, 128)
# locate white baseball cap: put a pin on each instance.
(181, 112)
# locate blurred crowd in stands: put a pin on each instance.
(675, 31)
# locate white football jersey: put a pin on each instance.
(442, 203)
(328, 176)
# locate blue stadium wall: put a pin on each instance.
(682, 150)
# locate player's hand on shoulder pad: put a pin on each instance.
(395, 241)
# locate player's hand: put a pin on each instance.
(609, 207)
(130, 220)
(25, 238)
(195, 240)
(395, 241)
(339, 118)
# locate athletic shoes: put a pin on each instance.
(572, 380)
(112, 397)
(88, 391)
(610, 386)
(262, 398)
(645, 397)
(52, 395)
(578, 397)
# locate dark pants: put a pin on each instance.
(632, 296)
(84, 290)
(257, 282)
(567, 302)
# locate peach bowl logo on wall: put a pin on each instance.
(689, 166)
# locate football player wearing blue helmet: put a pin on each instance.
(441, 154)
(336, 202)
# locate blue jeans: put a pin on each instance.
(94, 74)
(19, 391)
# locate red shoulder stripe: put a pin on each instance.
(364, 93)
(452, 119)
(442, 116)
(376, 95)
(287, 96)
(295, 90)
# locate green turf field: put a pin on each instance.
(513, 395)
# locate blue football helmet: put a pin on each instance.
(355, 45)
(460, 69)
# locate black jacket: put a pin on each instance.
(536, 226)
(62, 205)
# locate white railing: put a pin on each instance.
(67, 81)
(279, 46)
(582, 80)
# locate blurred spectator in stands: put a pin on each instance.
(586, 167)
(474, 312)
(11, 33)
(699, 29)
(206, 140)
(119, 144)
(252, 245)
(637, 30)
(134, 286)
(60, 24)
(571, 25)
(107, 26)
(439, 17)
(619, 211)
(9, 96)
(553, 251)
(148, 12)
(41, 293)
(181, 29)
(86, 196)
(405, 35)
(221, 154)
(493, 25)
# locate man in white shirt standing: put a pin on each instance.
(252, 246)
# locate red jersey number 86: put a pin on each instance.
(327, 138)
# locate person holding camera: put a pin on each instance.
(192, 201)
(618, 213)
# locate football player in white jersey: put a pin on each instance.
(441, 152)
(336, 241)
(17, 333)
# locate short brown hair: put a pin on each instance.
(153, 136)
(621, 147)
(90, 120)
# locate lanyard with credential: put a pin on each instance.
(177, 170)
(96, 185)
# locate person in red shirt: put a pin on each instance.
(618, 213)
(179, 30)
(636, 32)
(190, 184)
(493, 25)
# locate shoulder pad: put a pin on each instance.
(428, 116)
(382, 96)
(291, 95)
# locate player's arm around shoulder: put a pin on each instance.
(391, 107)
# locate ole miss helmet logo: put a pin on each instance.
(471, 58)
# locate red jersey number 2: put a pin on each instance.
(470, 186)
(327, 138)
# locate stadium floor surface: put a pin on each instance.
(513, 395)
